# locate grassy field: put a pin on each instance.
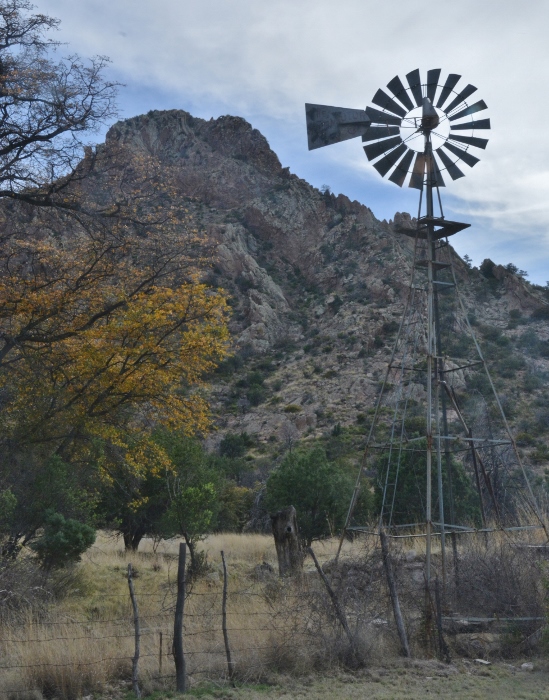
(286, 641)
(81, 640)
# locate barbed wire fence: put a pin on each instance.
(237, 630)
(238, 627)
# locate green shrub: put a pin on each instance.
(524, 439)
(229, 366)
(508, 366)
(541, 314)
(292, 408)
(336, 304)
(256, 395)
(8, 502)
(408, 471)
(532, 382)
(235, 503)
(319, 490)
(63, 541)
(235, 445)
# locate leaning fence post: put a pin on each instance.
(179, 657)
(394, 594)
(160, 655)
(455, 559)
(135, 659)
(443, 650)
(230, 663)
(337, 607)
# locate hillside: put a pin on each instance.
(317, 286)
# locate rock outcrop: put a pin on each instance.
(317, 282)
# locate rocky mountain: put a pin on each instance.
(317, 286)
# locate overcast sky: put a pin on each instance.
(263, 59)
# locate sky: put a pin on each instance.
(263, 59)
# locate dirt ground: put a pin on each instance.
(463, 680)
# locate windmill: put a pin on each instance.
(419, 134)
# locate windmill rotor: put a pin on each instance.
(394, 131)
(433, 109)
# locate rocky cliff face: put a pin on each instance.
(317, 282)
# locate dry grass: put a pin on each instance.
(82, 643)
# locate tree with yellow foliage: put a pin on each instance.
(106, 331)
(106, 325)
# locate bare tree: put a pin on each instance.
(46, 106)
(289, 434)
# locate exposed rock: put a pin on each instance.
(311, 274)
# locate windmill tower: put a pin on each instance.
(456, 452)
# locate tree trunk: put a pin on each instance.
(193, 568)
(132, 540)
(286, 537)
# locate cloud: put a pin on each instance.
(263, 60)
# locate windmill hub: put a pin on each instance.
(416, 124)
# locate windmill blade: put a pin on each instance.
(401, 170)
(463, 95)
(414, 81)
(469, 140)
(439, 182)
(465, 156)
(380, 132)
(377, 117)
(449, 85)
(382, 99)
(327, 125)
(376, 149)
(399, 91)
(477, 107)
(386, 163)
(418, 172)
(432, 83)
(452, 169)
(480, 124)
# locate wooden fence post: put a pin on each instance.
(337, 606)
(443, 650)
(455, 560)
(135, 659)
(179, 656)
(230, 663)
(394, 594)
(160, 655)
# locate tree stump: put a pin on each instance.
(286, 537)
